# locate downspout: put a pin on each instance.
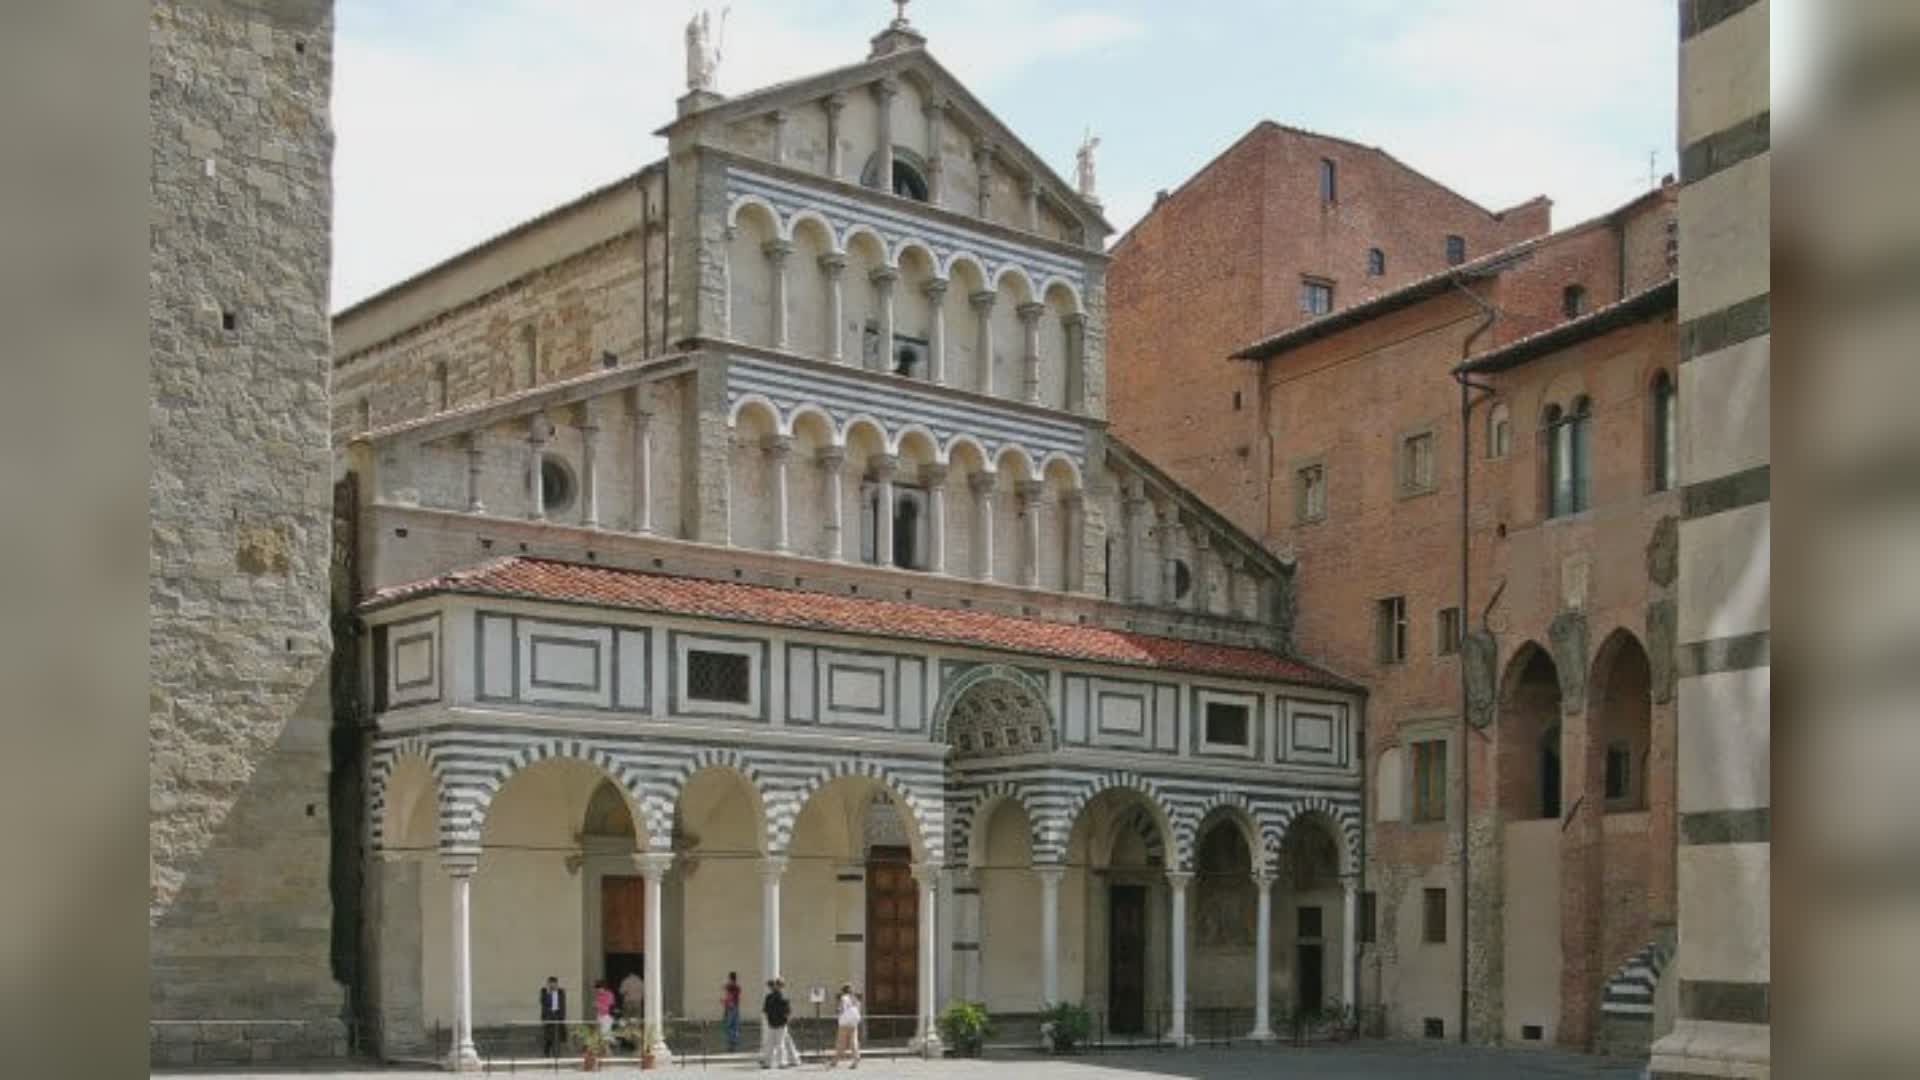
(1466, 730)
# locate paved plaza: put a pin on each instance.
(1374, 1062)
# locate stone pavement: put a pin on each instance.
(1378, 1061)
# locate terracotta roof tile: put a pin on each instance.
(544, 579)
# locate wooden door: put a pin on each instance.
(623, 933)
(893, 935)
(1127, 959)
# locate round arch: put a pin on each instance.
(1234, 809)
(652, 811)
(958, 688)
(1337, 823)
(806, 216)
(754, 203)
(923, 816)
(1159, 810)
(400, 776)
(757, 403)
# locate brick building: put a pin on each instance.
(1284, 223)
(1568, 627)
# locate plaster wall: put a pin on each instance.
(1530, 867)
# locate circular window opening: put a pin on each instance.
(556, 484)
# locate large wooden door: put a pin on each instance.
(893, 935)
(1127, 959)
(623, 932)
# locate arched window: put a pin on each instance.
(1499, 431)
(1666, 430)
(907, 181)
(1376, 262)
(1573, 301)
(1567, 461)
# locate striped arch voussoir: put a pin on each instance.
(658, 822)
(1242, 807)
(385, 760)
(925, 818)
(967, 816)
(1337, 816)
(1179, 858)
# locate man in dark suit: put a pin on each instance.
(553, 1017)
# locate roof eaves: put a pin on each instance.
(1647, 302)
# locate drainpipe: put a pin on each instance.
(1467, 403)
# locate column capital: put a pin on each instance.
(1264, 879)
(1050, 872)
(833, 263)
(1178, 880)
(773, 866)
(927, 874)
(778, 447)
(981, 299)
(831, 457)
(1073, 498)
(935, 288)
(885, 89)
(539, 429)
(883, 276)
(460, 864)
(1031, 490)
(983, 150)
(1202, 540)
(777, 250)
(982, 483)
(934, 105)
(1030, 311)
(653, 865)
(834, 102)
(883, 466)
(1075, 319)
(933, 474)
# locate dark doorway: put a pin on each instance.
(623, 932)
(1312, 978)
(893, 934)
(1127, 959)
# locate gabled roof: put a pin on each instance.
(1644, 304)
(521, 577)
(921, 63)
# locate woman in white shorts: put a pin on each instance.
(847, 1035)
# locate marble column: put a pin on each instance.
(1075, 323)
(1349, 938)
(1032, 494)
(966, 934)
(834, 104)
(884, 91)
(883, 278)
(834, 266)
(883, 467)
(777, 252)
(936, 290)
(589, 467)
(982, 485)
(1177, 882)
(1050, 876)
(771, 868)
(654, 868)
(642, 463)
(935, 477)
(935, 111)
(926, 1037)
(1202, 593)
(1030, 203)
(1263, 961)
(832, 461)
(982, 304)
(538, 429)
(727, 233)
(1231, 562)
(464, 1056)
(1030, 313)
(475, 464)
(1073, 520)
(1169, 557)
(1139, 511)
(779, 451)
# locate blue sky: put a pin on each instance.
(456, 119)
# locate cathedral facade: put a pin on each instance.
(748, 582)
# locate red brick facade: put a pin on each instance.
(1578, 607)
(1221, 261)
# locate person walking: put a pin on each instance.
(776, 1041)
(730, 1010)
(846, 1035)
(603, 1007)
(553, 1018)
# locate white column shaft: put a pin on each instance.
(937, 335)
(1263, 962)
(590, 477)
(777, 303)
(937, 526)
(836, 333)
(642, 473)
(656, 967)
(1050, 934)
(770, 922)
(983, 341)
(464, 1052)
(1349, 939)
(836, 510)
(983, 568)
(1177, 1030)
(781, 524)
(1031, 571)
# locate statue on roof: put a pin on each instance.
(703, 49)
(1083, 165)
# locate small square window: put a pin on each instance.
(1447, 631)
(1434, 920)
(1316, 297)
(1227, 724)
(1369, 916)
(1429, 780)
(1573, 301)
(1390, 626)
(1456, 250)
(718, 676)
(1311, 493)
(1416, 463)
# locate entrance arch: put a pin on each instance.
(1312, 915)
(994, 710)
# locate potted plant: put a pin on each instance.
(1342, 1020)
(1065, 1026)
(964, 1027)
(632, 1032)
(593, 1046)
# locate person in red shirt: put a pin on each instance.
(730, 1010)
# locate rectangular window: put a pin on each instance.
(1447, 631)
(1416, 463)
(1311, 493)
(1434, 916)
(1456, 250)
(910, 525)
(1390, 628)
(1307, 921)
(1430, 780)
(718, 676)
(1316, 297)
(1369, 916)
(1619, 771)
(1227, 724)
(1329, 181)
(1376, 262)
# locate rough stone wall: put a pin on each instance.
(240, 510)
(1219, 264)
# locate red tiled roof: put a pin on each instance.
(543, 579)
